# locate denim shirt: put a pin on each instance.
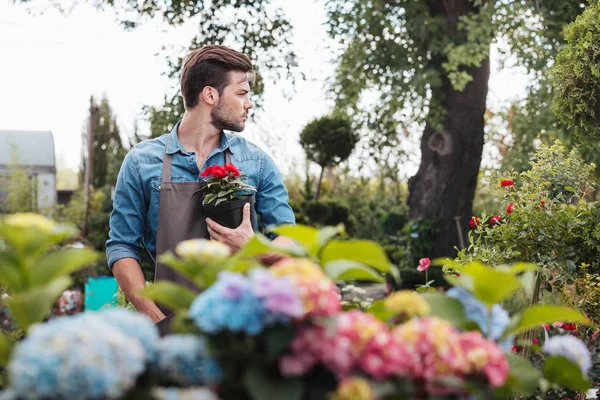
(134, 219)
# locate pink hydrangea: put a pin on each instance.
(306, 350)
(484, 356)
(319, 294)
(354, 330)
(439, 351)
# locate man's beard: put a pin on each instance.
(223, 120)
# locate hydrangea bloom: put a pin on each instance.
(202, 250)
(278, 294)
(354, 388)
(76, 358)
(182, 360)
(442, 351)
(306, 350)
(353, 332)
(477, 312)
(319, 294)
(183, 394)
(135, 325)
(229, 305)
(484, 355)
(571, 348)
(407, 304)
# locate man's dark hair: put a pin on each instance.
(210, 66)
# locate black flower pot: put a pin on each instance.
(231, 213)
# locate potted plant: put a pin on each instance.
(225, 194)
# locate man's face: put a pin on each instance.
(234, 104)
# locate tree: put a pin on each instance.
(328, 141)
(108, 147)
(576, 76)
(428, 61)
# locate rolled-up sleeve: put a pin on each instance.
(272, 197)
(127, 220)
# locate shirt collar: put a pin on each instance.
(174, 144)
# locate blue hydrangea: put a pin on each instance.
(134, 325)
(183, 394)
(79, 357)
(182, 360)
(228, 306)
(571, 348)
(477, 312)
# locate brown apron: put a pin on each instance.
(180, 217)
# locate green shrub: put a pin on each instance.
(576, 76)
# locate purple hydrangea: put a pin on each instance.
(571, 348)
(234, 285)
(278, 293)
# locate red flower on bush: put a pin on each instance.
(475, 221)
(495, 220)
(507, 182)
(232, 169)
(570, 327)
(542, 203)
(510, 207)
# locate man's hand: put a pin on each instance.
(234, 238)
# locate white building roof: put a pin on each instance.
(31, 148)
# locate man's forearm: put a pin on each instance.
(129, 276)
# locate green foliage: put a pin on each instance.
(542, 227)
(328, 140)
(576, 76)
(21, 190)
(34, 271)
(108, 150)
(323, 212)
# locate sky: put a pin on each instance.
(52, 63)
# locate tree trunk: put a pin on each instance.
(444, 186)
(318, 192)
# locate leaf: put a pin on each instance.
(10, 273)
(523, 377)
(262, 387)
(345, 270)
(379, 311)
(329, 232)
(362, 251)
(539, 314)
(278, 339)
(60, 263)
(565, 373)
(6, 346)
(447, 308)
(188, 269)
(488, 284)
(32, 306)
(259, 244)
(306, 236)
(174, 296)
(220, 200)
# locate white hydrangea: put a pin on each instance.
(202, 250)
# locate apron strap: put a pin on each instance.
(166, 168)
(227, 156)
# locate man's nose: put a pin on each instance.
(249, 104)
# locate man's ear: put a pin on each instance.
(209, 95)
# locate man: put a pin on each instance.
(156, 198)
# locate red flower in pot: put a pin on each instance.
(225, 194)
